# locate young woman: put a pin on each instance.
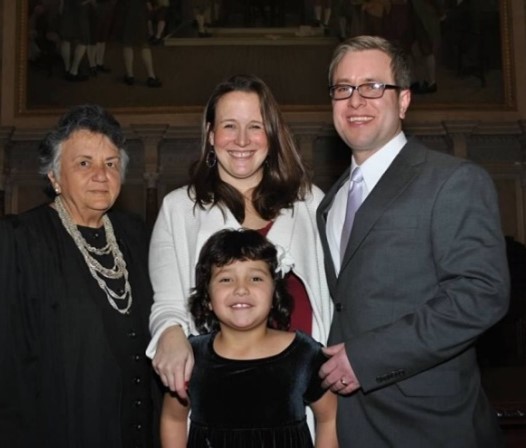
(249, 175)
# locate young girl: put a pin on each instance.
(251, 378)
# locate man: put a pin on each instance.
(423, 274)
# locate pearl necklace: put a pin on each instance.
(98, 271)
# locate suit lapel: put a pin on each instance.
(395, 180)
(321, 216)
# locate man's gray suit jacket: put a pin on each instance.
(423, 275)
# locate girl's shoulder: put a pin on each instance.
(307, 341)
(201, 345)
(297, 343)
(200, 338)
(279, 341)
(310, 351)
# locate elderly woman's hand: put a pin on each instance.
(174, 360)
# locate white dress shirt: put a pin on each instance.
(372, 170)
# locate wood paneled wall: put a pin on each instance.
(160, 157)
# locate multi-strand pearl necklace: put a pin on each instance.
(98, 271)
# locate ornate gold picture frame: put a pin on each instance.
(474, 70)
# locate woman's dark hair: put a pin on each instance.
(285, 178)
(223, 248)
(90, 117)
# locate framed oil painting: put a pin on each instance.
(472, 59)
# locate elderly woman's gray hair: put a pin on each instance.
(90, 117)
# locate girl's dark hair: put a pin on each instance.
(285, 178)
(90, 117)
(224, 248)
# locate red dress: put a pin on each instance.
(301, 318)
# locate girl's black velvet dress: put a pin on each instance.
(84, 379)
(253, 403)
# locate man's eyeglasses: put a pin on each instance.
(366, 90)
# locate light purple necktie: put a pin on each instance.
(354, 200)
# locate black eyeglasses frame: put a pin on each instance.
(352, 89)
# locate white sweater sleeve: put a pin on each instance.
(171, 265)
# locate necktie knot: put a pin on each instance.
(356, 176)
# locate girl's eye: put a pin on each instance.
(224, 280)
(257, 279)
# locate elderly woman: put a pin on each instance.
(84, 297)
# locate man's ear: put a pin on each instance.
(404, 100)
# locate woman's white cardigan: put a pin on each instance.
(179, 234)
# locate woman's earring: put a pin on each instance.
(211, 159)
(57, 190)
